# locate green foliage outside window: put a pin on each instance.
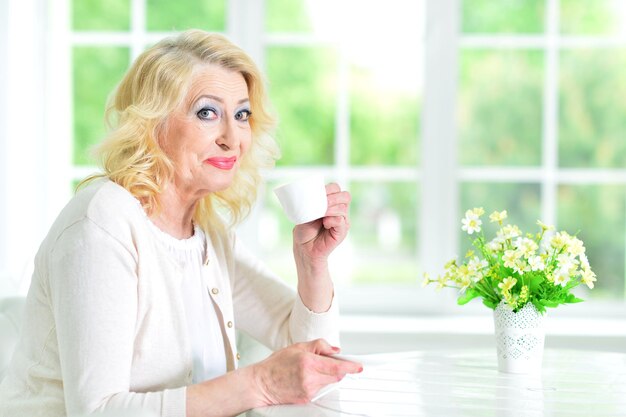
(287, 16)
(384, 122)
(592, 109)
(167, 15)
(591, 17)
(96, 72)
(101, 15)
(302, 85)
(500, 108)
(504, 16)
(599, 213)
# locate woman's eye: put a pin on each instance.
(207, 114)
(243, 115)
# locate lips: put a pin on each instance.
(222, 163)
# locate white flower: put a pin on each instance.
(559, 240)
(510, 258)
(566, 261)
(497, 216)
(561, 276)
(496, 244)
(589, 277)
(509, 232)
(584, 261)
(520, 266)
(575, 247)
(471, 222)
(544, 226)
(536, 263)
(526, 246)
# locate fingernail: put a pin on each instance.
(335, 348)
(360, 369)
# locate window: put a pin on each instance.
(421, 108)
(541, 126)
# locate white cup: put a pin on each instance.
(303, 200)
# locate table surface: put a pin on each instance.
(467, 383)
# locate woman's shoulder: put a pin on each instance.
(105, 204)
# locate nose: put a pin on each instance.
(228, 137)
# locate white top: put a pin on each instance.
(105, 326)
(207, 345)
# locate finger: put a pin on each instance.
(342, 197)
(332, 188)
(320, 347)
(335, 222)
(337, 367)
(337, 210)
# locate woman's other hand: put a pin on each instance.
(317, 239)
(313, 242)
(294, 375)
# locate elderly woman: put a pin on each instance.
(140, 284)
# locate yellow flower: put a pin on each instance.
(426, 280)
(507, 284)
(478, 211)
(589, 277)
(469, 253)
(498, 216)
(544, 226)
(575, 247)
(510, 258)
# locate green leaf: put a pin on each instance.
(466, 297)
(571, 299)
(549, 303)
(490, 303)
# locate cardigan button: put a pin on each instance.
(215, 290)
(229, 324)
(238, 356)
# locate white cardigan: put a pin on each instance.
(104, 325)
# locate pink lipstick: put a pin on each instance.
(222, 163)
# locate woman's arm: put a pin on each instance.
(289, 376)
(93, 290)
(313, 242)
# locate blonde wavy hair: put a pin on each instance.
(138, 110)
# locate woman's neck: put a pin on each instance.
(176, 214)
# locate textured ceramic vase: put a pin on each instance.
(519, 338)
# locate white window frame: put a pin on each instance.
(438, 176)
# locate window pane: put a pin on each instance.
(275, 234)
(166, 15)
(383, 233)
(597, 17)
(303, 89)
(384, 117)
(97, 70)
(500, 107)
(511, 16)
(100, 14)
(592, 118)
(521, 201)
(598, 213)
(287, 16)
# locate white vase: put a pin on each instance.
(519, 338)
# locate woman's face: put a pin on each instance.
(208, 134)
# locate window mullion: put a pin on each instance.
(439, 210)
(550, 116)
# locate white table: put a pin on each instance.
(467, 383)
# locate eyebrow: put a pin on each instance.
(219, 99)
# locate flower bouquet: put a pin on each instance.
(517, 276)
(516, 268)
